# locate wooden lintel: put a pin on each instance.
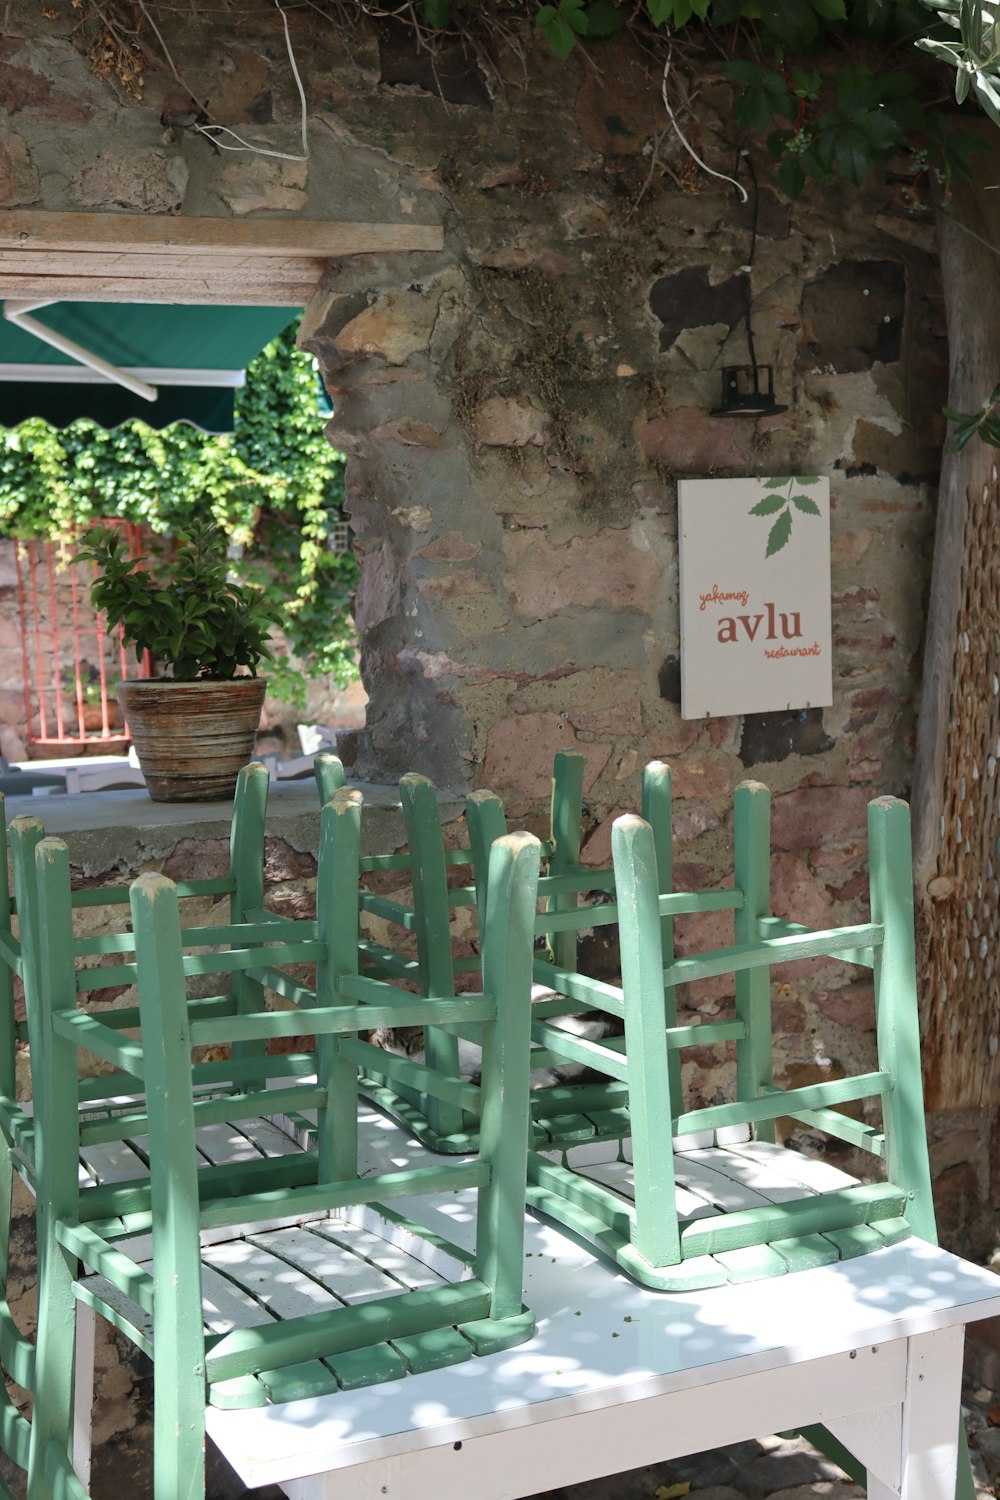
(217, 291)
(30, 230)
(183, 264)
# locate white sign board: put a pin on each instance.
(755, 595)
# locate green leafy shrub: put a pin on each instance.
(274, 488)
(188, 614)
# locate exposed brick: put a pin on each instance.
(853, 1006)
(620, 719)
(815, 818)
(699, 778)
(519, 754)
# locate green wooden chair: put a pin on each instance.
(435, 970)
(113, 1155)
(272, 1295)
(430, 964)
(701, 1197)
(726, 1203)
(565, 995)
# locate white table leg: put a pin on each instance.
(928, 1454)
(83, 1390)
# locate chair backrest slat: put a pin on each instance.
(832, 942)
(433, 931)
(564, 824)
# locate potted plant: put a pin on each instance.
(194, 729)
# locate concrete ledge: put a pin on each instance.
(123, 829)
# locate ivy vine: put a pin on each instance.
(821, 122)
(275, 487)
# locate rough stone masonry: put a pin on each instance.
(516, 411)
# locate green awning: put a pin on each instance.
(194, 357)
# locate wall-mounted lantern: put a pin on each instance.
(748, 391)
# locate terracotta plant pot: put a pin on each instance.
(192, 738)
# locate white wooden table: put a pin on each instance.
(617, 1377)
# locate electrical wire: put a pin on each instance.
(747, 270)
(214, 131)
(683, 138)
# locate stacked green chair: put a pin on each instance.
(581, 1109)
(113, 1156)
(698, 1197)
(435, 969)
(694, 1198)
(726, 1203)
(179, 1281)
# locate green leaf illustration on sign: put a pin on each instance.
(779, 533)
(775, 503)
(769, 505)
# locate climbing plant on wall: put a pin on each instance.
(802, 84)
(835, 87)
(275, 487)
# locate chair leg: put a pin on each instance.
(179, 1455)
(965, 1485)
(83, 1390)
(52, 1418)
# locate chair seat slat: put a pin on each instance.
(818, 1176)
(227, 1305)
(269, 1278)
(384, 1252)
(111, 1161)
(350, 1279)
(754, 1174)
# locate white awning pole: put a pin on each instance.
(17, 313)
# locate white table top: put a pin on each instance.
(601, 1340)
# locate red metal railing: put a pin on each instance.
(71, 662)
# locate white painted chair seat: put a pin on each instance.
(726, 1171)
(220, 1144)
(289, 1268)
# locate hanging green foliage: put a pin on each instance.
(275, 487)
(821, 122)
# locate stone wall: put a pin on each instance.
(517, 412)
(517, 409)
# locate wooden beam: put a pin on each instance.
(137, 233)
(224, 292)
(182, 265)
